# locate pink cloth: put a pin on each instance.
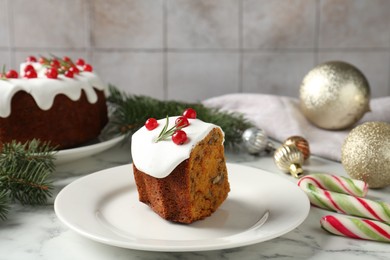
(280, 117)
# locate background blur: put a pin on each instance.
(194, 49)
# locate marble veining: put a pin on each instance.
(36, 232)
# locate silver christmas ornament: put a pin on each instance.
(256, 141)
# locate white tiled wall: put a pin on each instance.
(194, 49)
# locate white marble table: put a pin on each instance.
(36, 232)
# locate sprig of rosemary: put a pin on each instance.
(2, 74)
(64, 65)
(165, 132)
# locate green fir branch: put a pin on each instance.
(4, 204)
(129, 113)
(24, 173)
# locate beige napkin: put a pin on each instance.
(280, 117)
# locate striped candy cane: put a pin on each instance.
(335, 198)
(335, 183)
(356, 228)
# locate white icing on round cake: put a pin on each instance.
(160, 159)
(44, 90)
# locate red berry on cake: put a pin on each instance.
(30, 74)
(74, 69)
(11, 74)
(31, 59)
(87, 67)
(151, 124)
(68, 74)
(55, 63)
(28, 67)
(190, 113)
(80, 62)
(182, 121)
(52, 73)
(179, 137)
(66, 59)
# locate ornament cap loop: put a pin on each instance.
(270, 147)
(296, 170)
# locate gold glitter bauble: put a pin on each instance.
(301, 143)
(289, 158)
(365, 154)
(334, 95)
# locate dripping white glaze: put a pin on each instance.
(44, 90)
(160, 159)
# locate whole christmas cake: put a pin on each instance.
(179, 167)
(53, 100)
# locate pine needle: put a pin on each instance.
(24, 173)
(4, 204)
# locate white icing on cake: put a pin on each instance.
(161, 158)
(44, 90)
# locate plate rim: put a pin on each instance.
(178, 248)
(62, 156)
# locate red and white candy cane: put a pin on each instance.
(325, 191)
(356, 228)
(335, 183)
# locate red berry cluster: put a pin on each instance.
(178, 136)
(56, 66)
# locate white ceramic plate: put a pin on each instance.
(104, 207)
(67, 155)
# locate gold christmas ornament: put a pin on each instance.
(334, 95)
(289, 158)
(365, 154)
(301, 143)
